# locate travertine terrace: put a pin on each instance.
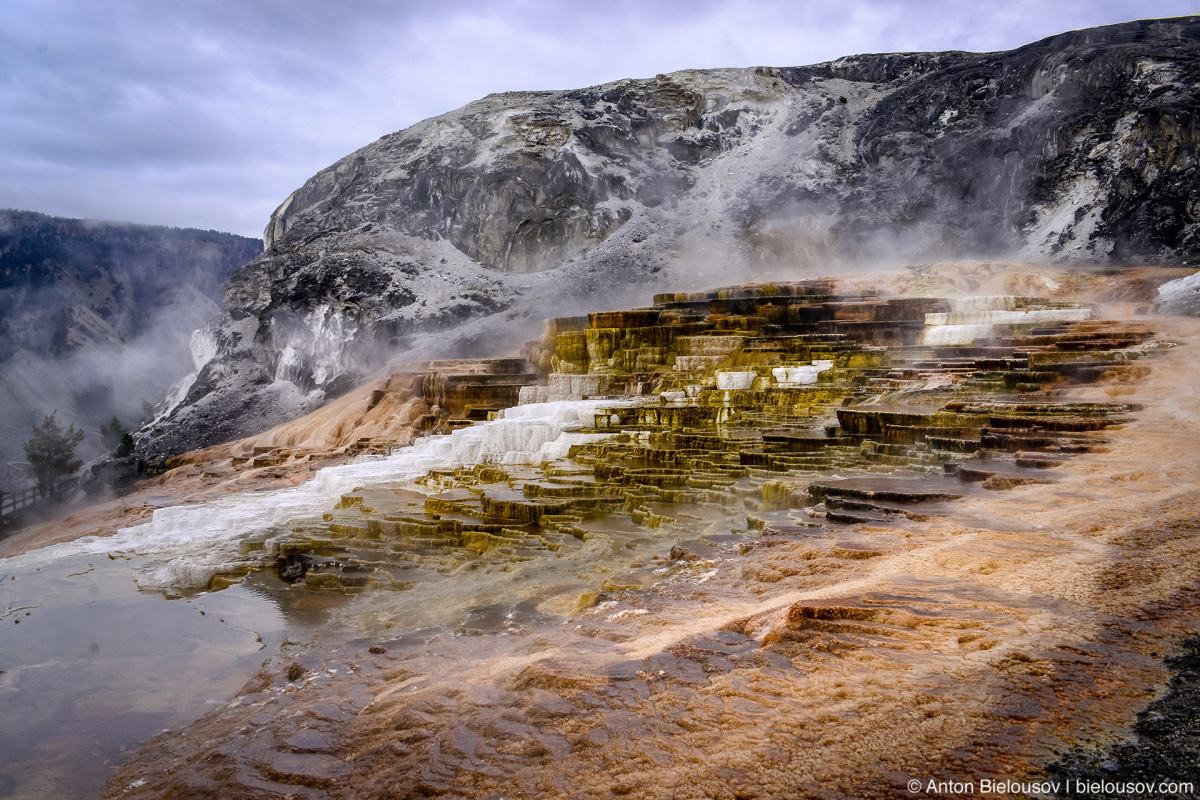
(795, 542)
(762, 399)
(453, 237)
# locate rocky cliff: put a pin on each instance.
(95, 316)
(458, 235)
(1180, 296)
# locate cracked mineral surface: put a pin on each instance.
(943, 555)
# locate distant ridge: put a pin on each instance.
(95, 316)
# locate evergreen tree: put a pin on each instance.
(112, 433)
(50, 452)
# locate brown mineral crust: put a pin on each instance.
(965, 646)
(390, 411)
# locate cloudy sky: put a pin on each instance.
(207, 113)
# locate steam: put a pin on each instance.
(97, 381)
(196, 542)
(95, 318)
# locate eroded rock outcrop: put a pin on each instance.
(1180, 296)
(1079, 147)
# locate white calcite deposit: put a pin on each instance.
(1181, 297)
(731, 381)
(800, 376)
(971, 319)
(564, 387)
(196, 542)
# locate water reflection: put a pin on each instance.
(92, 666)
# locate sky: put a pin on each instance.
(208, 113)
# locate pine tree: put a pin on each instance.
(50, 452)
(111, 434)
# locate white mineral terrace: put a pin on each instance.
(797, 376)
(199, 541)
(735, 380)
(973, 318)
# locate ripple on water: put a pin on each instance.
(91, 666)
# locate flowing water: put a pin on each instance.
(107, 641)
(804, 659)
(972, 319)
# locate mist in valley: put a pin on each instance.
(96, 319)
(95, 382)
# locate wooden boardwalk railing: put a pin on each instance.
(15, 501)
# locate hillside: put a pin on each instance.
(456, 236)
(95, 317)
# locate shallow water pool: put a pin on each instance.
(91, 666)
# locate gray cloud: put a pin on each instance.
(207, 114)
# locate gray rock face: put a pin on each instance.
(455, 236)
(1181, 297)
